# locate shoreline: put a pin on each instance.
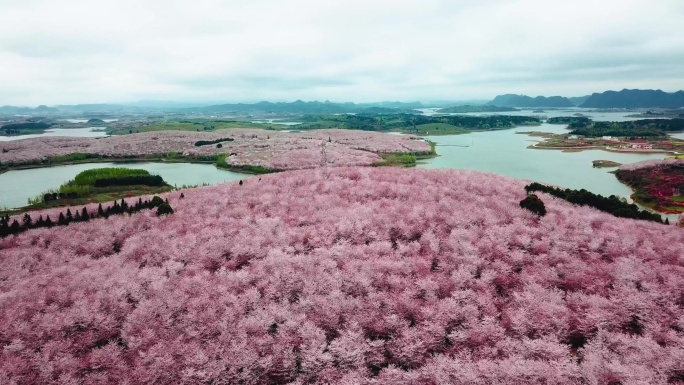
(102, 160)
(603, 148)
(243, 169)
(652, 207)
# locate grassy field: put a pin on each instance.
(319, 125)
(397, 159)
(438, 129)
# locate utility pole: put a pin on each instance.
(324, 160)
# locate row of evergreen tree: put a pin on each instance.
(612, 205)
(118, 208)
(207, 142)
(55, 196)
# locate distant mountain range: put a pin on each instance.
(468, 108)
(27, 110)
(578, 100)
(76, 109)
(635, 99)
(296, 107)
(608, 99)
(315, 107)
(511, 100)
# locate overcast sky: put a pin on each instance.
(91, 51)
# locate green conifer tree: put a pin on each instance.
(534, 204)
(61, 221)
(15, 227)
(164, 209)
(157, 201)
(28, 222)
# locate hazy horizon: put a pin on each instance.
(79, 52)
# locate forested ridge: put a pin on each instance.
(612, 204)
(408, 122)
(9, 226)
(636, 128)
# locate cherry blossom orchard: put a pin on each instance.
(254, 147)
(348, 276)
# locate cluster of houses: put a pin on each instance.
(631, 145)
(639, 146)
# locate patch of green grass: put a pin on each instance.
(221, 163)
(171, 126)
(437, 129)
(253, 169)
(75, 157)
(402, 159)
(319, 125)
(433, 145)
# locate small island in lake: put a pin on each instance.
(24, 128)
(102, 185)
(576, 120)
(96, 121)
(639, 136)
(605, 163)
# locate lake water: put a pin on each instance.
(86, 120)
(19, 185)
(505, 152)
(276, 121)
(612, 116)
(87, 132)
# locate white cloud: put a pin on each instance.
(78, 51)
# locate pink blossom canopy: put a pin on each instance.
(254, 147)
(357, 276)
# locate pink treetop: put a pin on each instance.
(650, 164)
(366, 275)
(271, 149)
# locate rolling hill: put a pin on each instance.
(352, 275)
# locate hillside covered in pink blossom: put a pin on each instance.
(255, 147)
(354, 276)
